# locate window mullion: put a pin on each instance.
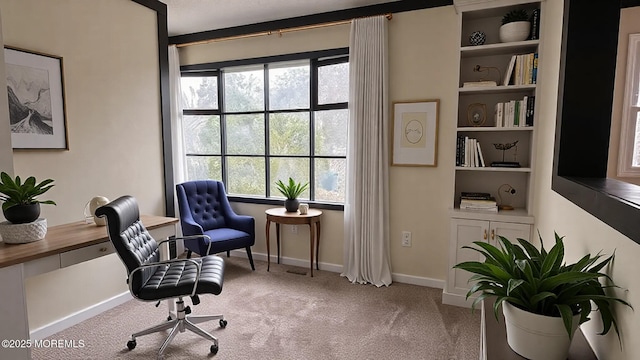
(267, 152)
(223, 128)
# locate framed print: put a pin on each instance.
(36, 100)
(477, 114)
(415, 133)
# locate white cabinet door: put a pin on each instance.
(511, 231)
(463, 233)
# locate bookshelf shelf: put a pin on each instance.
(494, 128)
(495, 89)
(494, 169)
(499, 48)
(497, 138)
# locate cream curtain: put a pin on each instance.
(179, 170)
(366, 212)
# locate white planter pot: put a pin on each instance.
(515, 31)
(537, 337)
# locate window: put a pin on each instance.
(262, 121)
(629, 157)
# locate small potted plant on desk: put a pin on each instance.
(291, 191)
(543, 298)
(21, 208)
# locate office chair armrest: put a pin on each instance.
(206, 237)
(167, 262)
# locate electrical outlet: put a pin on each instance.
(294, 229)
(406, 238)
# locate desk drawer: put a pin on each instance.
(73, 257)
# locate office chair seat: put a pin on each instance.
(177, 279)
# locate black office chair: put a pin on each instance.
(152, 279)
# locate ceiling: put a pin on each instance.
(191, 16)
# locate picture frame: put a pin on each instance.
(477, 114)
(37, 111)
(415, 133)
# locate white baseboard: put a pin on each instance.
(456, 299)
(401, 278)
(80, 316)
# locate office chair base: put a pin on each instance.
(181, 324)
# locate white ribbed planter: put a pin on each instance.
(515, 31)
(537, 337)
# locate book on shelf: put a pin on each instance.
(534, 72)
(474, 195)
(515, 113)
(478, 202)
(492, 209)
(469, 152)
(508, 74)
(484, 83)
(531, 101)
(480, 157)
(498, 112)
(535, 24)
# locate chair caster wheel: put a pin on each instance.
(214, 349)
(131, 344)
(223, 323)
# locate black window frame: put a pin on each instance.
(316, 59)
(589, 46)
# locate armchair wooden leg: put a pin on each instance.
(189, 252)
(250, 258)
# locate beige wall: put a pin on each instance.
(583, 232)
(6, 157)
(420, 67)
(110, 54)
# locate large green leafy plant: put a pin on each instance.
(15, 192)
(541, 282)
(292, 189)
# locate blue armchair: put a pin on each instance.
(205, 210)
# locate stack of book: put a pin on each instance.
(522, 70)
(468, 152)
(515, 113)
(478, 201)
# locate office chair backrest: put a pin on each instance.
(206, 200)
(132, 241)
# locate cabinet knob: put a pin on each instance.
(485, 234)
(103, 249)
(493, 234)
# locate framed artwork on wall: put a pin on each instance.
(415, 133)
(35, 86)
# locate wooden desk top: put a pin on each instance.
(67, 237)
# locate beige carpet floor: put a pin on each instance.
(284, 315)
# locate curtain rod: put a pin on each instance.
(271, 32)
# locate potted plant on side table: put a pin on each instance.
(541, 295)
(291, 191)
(21, 208)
